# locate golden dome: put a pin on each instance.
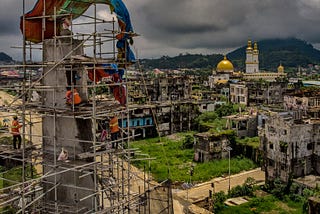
(280, 69)
(225, 65)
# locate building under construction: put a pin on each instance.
(73, 165)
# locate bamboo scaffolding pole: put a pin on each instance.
(38, 198)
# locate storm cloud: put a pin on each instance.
(213, 25)
(207, 26)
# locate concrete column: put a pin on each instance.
(64, 131)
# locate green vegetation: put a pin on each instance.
(6, 140)
(11, 92)
(212, 169)
(280, 198)
(290, 52)
(184, 61)
(188, 141)
(169, 156)
(207, 117)
(283, 202)
(173, 156)
(15, 175)
(229, 109)
(8, 210)
(245, 190)
(12, 177)
(214, 120)
(253, 142)
(266, 204)
(213, 123)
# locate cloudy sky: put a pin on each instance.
(170, 27)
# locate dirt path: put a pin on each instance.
(201, 191)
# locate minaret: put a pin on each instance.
(252, 58)
(255, 58)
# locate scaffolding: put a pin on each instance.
(67, 166)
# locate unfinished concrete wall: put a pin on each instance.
(55, 75)
(63, 130)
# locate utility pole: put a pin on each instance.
(228, 149)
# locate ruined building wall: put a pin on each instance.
(316, 149)
(289, 148)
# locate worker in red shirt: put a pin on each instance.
(16, 133)
(114, 130)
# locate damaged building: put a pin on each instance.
(244, 125)
(252, 93)
(306, 102)
(290, 146)
(210, 146)
(170, 100)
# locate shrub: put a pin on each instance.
(219, 199)
(188, 142)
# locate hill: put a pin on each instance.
(290, 52)
(183, 61)
(5, 58)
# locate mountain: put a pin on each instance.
(5, 58)
(290, 52)
(183, 61)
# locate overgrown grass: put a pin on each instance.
(174, 162)
(267, 204)
(217, 124)
(170, 158)
(6, 140)
(14, 175)
(254, 142)
(206, 171)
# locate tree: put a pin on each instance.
(219, 199)
(225, 110)
(188, 142)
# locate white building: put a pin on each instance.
(252, 58)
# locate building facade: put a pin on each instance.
(291, 147)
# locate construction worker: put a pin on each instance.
(72, 97)
(16, 133)
(114, 130)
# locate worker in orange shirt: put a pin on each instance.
(114, 130)
(15, 126)
(72, 97)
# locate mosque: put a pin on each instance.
(225, 69)
(222, 74)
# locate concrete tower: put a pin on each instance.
(252, 58)
(63, 131)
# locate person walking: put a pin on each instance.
(15, 126)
